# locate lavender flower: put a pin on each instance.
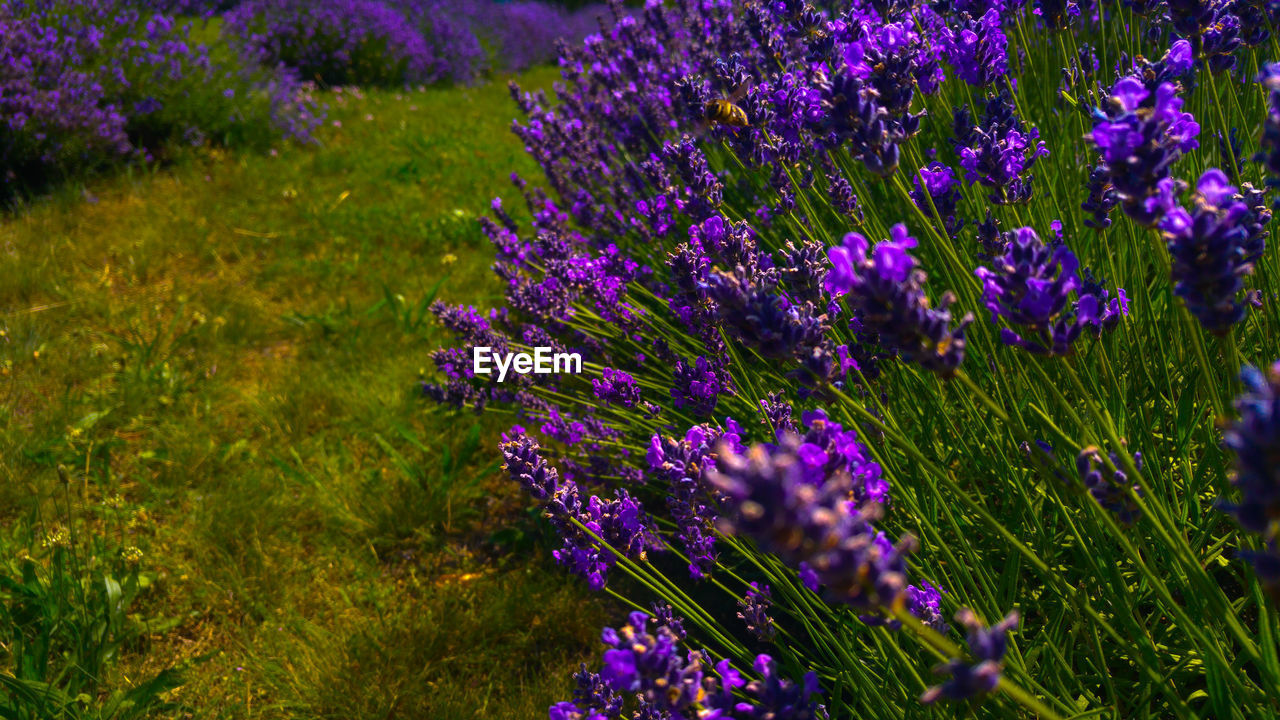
(854, 111)
(620, 522)
(843, 200)
(991, 240)
(698, 386)
(1031, 288)
(1255, 243)
(753, 610)
(1140, 135)
(978, 49)
(925, 602)
(771, 498)
(826, 447)
(777, 413)
(1110, 309)
(1269, 155)
(1101, 200)
(998, 152)
(569, 711)
(1212, 27)
(935, 189)
(1211, 248)
(591, 691)
(522, 33)
(668, 683)
(763, 319)
(617, 387)
(526, 466)
(1058, 14)
(987, 646)
(886, 292)
(451, 29)
(1255, 440)
(1111, 488)
(95, 82)
(683, 464)
(664, 615)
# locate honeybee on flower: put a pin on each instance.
(724, 111)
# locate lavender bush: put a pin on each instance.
(190, 8)
(404, 42)
(523, 33)
(880, 381)
(84, 83)
(335, 42)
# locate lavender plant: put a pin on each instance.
(784, 386)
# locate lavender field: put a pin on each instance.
(925, 360)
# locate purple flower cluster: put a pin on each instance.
(41, 89)
(617, 387)
(1101, 199)
(885, 289)
(977, 49)
(936, 191)
(683, 465)
(686, 257)
(826, 447)
(668, 683)
(1255, 439)
(1140, 134)
(1030, 287)
(1216, 29)
(1109, 485)
(620, 523)
(812, 500)
(864, 103)
(998, 152)
(925, 602)
(664, 615)
(698, 386)
(471, 37)
(1213, 247)
(1269, 155)
(783, 497)
(771, 323)
(1058, 14)
(191, 8)
(988, 646)
(753, 610)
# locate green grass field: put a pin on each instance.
(224, 354)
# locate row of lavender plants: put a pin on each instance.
(89, 83)
(404, 42)
(937, 388)
(85, 84)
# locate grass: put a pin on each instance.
(225, 352)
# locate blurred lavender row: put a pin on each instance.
(410, 42)
(88, 83)
(85, 84)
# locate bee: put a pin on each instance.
(724, 112)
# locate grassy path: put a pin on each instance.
(224, 352)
